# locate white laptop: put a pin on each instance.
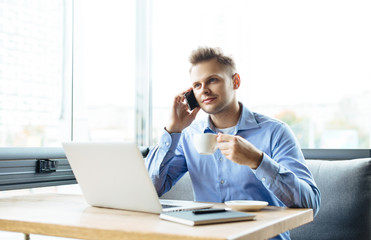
(113, 175)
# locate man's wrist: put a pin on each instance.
(172, 130)
(259, 160)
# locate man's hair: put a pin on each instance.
(202, 54)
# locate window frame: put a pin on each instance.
(19, 168)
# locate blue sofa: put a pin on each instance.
(345, 211)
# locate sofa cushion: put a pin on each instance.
(182, 190)
(345, 200)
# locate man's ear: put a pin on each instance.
(236, 81)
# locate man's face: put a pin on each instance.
(212, 86)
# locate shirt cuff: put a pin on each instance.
(267, 170)
(169, 142)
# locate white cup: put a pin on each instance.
(205, 143)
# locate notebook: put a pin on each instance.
(113, 175)
(194, 218)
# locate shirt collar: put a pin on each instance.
(247, 121)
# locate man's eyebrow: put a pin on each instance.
(213, 76)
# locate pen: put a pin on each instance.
(209, 210)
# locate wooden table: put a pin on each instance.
(70, 216)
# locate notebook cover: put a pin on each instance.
(189, 218)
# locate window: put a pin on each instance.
(35, 73)
(104, 71)
(306, 63)
(303, 62)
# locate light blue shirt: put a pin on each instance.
(282, 178)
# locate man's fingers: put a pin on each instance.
(180, 96)
(187, 90)
(224, 137)
(223, 145)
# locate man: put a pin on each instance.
(258, 158)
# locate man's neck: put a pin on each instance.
(227, 118)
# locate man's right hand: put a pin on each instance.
(181, 117)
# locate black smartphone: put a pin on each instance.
(191, 100)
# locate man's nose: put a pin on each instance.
(205, 89)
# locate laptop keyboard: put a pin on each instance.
(168, 206)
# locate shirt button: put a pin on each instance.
(167, 143)
(221, 181)
(221, 159)
(263, 179)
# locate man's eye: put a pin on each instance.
(212, 79)
(197, 85)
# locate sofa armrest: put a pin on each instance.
(345, 200)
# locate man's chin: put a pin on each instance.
(209, 109)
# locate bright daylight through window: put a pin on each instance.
(104, 70)
(35, 73)
(304, 62)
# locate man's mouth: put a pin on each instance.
(208, 100)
